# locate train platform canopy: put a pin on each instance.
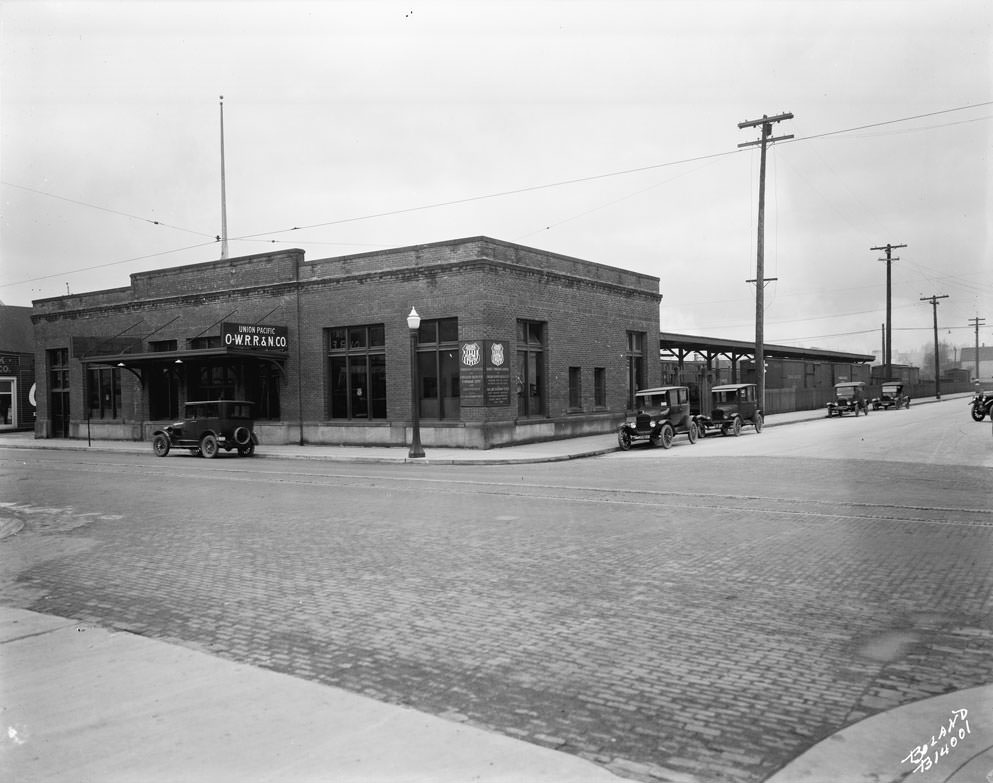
(683, 345)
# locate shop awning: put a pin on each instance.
(137, 362)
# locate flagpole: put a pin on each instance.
(224, 200)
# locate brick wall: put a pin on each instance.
(488, 285)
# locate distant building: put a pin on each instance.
(17, 377)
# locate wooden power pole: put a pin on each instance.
(937, 363)
(760, 280)
(975, 322)
(888, 344)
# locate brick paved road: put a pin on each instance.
(715, 635)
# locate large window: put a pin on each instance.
(530, 368)
(636, 364)
(213, 382)
(58, 388)
(357, 372)
(438, 369)
(600, 387)
(575, 388)
(104, 388)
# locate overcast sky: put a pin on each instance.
(601, 130)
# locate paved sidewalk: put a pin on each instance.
(81, 703)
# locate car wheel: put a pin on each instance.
(666, 436)
(624, 440)
(736, 427)
(978, 414)
(160, 445)
(246, 451)
(758, 422)
(693, 432)
(208, 446)
(701, 430)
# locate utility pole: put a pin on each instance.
(224, 199)
(759, 279)
(975, 322)
(937, 365)
(888, 346)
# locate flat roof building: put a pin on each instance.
(515, 345)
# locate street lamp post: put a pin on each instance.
(413, 324)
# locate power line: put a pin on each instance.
(454, 202)
(105, 209)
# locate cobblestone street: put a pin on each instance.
(662, 634)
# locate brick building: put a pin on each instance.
(515, 345)
(16, 368)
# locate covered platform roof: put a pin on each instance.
(682, 345)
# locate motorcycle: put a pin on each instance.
(982, 405)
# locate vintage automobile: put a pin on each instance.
(208, 427)
(732, 406)
(849, 397)
(982, 405)
(662, 413)
(891, 396)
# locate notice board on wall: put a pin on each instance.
(484, 373)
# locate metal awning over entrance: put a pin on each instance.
(681, 346)
(137, 363)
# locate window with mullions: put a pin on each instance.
(600, 387)
(213, 382)
(530, 368)
(438, 369)
(357, 372)
(104, 389)
(636, 364)
(575, 388)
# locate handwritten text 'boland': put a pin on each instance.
(927, 754)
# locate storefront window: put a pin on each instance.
(357, 372)
(58, 388)
(104, 389)
(214, 382)
(438, 369)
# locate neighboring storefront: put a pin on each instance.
(17, 410)
(514, 345)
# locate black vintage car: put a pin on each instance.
(208, 427)
(849, 397)
(661, 414)
(733, 406)
(891, 396)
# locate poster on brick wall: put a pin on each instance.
(496, 389)
(484, 373)
(471, 373)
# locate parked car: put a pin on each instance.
(891, 396)
(732, 406)
(208, 427)
(982, 405)
(849, 397)
(661, 414)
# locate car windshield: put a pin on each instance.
(891, 389)
(846, 390)
(725, 396)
